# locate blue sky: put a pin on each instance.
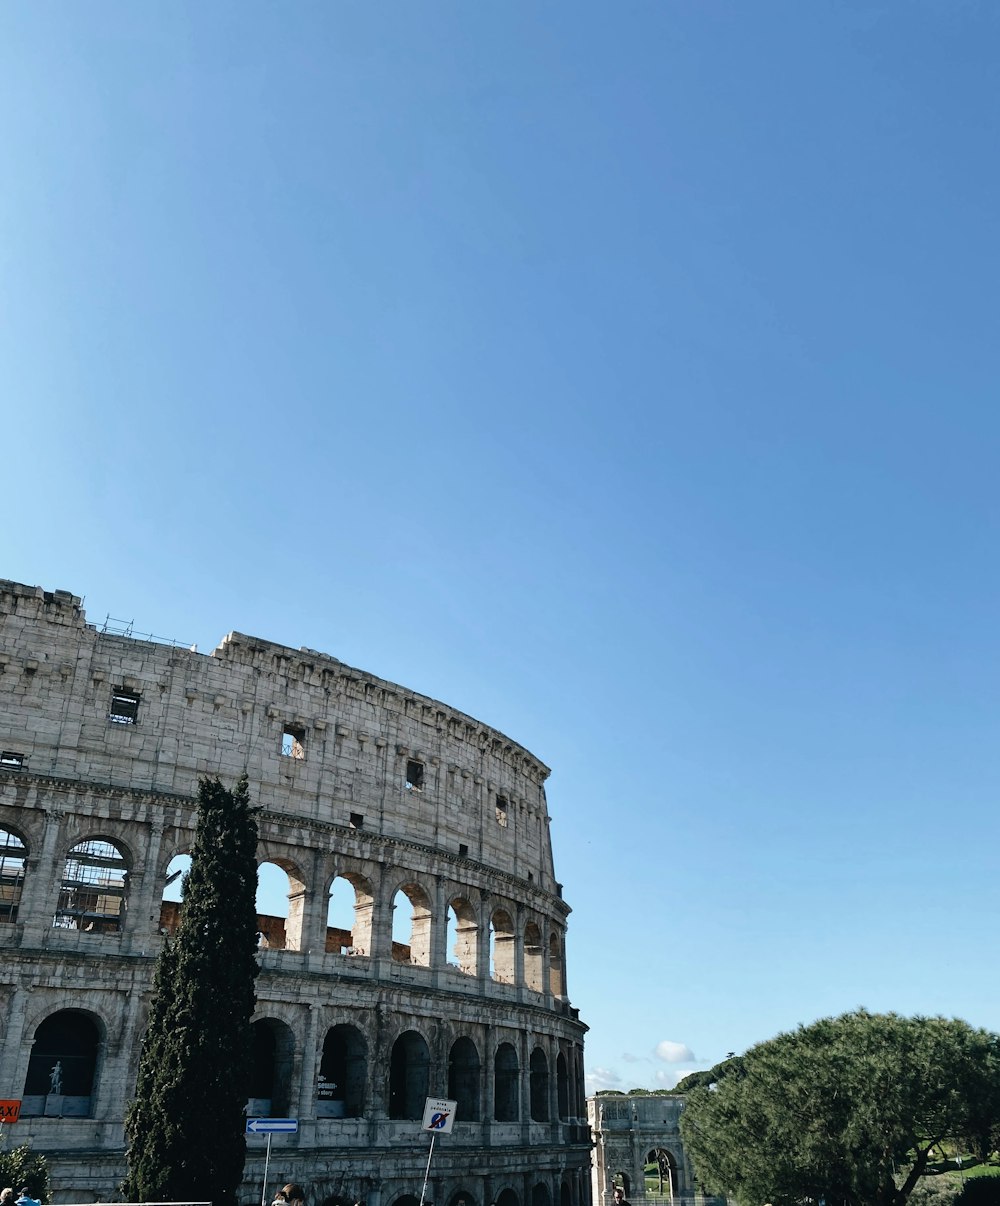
(625, 376)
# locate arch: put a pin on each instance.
(349, 915)
(660, 1170)
(621, 1180)
(94, 888)
(502, 947)
(541, 1195)
(411, 935)
(506, 1098)
(562, 1086)
(538, 1078)
(171, 901)
(406, 1199)
(409, 1075)
(533, 962)
(62, 1067)
(343, 1073)
(13, 860)
(462, 1197)
(464, 1080)
(272, 1053)
(281, 895)
(557, 979)
(463, 935)
(508, 1197)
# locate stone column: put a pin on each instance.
(43, 875)
(142, 917)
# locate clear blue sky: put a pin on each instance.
(623, 374)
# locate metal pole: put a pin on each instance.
(427, 1170)
(267, 1161)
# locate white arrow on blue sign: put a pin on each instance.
(272, 1126)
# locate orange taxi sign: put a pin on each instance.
(10, 1111)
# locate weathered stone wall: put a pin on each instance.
(631, 1130)
(472, 834)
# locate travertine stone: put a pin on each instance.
(340, 810)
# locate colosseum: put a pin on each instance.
(417, 946)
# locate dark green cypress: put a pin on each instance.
(186, 1127)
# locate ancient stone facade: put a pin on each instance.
(638, 1150)
(365, 787)
(632, 1131)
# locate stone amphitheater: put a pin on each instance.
(421, 950)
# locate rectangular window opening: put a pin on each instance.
(11, 759)
(414, 775)
(124, 706)
(502, 811)
(463, 850)
(293, 742)
(357, 820)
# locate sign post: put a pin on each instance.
(439, 1118)
(269, 1127)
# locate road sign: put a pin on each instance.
(439, 1115)
(272, 1126)
(10, 1111)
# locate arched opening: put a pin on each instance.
(407, 1199)
(94, 889)
(621, 1180)
(464, 1079)
(174, 883)
(557, 981)
(562, 1086)
(411, 926)
(538, 1075)
(463, 934)
(281, 896)
(272, 1051)
(502, 947)
(660, 1172)
(508, 1198)
(533, 957)
(565, 1195)
(13, 859)
(343, 1071)
(541, 1195)
(461, 1197)
(62, 1068)
(409, 1074)
(349, 916)
(506, 1104)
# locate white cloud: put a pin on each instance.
(602, 1078)
(667, 1078)
(674, 1053)
(633, 1059)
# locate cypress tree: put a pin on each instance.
(186, 1126)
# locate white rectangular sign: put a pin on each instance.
(439, 1115)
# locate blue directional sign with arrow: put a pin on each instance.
(272, 1126)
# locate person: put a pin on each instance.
(7, 1197)
(279, 1199)
(26, 1199)
(294, 1195)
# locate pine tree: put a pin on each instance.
(186, 1126)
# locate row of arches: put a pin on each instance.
(474, 939)
(63, 1070)
(494, 1089)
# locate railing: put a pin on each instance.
(126, 628)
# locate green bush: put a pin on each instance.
(20, 1166)
(980, 1191)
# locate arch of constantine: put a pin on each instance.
(418, 949)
